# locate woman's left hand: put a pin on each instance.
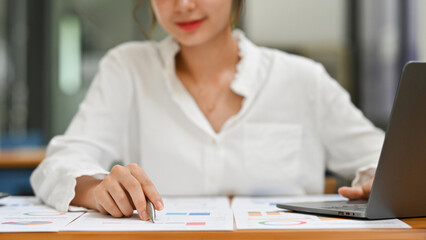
(362, 192)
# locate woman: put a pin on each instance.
(205, 112)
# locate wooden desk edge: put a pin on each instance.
(406, 234)
(417, 232)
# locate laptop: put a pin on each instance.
(399, 187)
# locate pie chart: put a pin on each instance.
(286, 222)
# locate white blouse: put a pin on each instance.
(295, 122)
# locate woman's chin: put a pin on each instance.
(191, 40)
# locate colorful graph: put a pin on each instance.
(44, 214)
(254, 214)
(195, 223)
(271, 213)
(199, 214)
(283, 222)
(28, 223)
(176, 213)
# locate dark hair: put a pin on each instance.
(237, 12)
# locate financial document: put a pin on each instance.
(28, 214)
(261, 213)
(179, 214)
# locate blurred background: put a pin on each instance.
(50, 49)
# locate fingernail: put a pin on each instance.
(160, 205)
(145, 215)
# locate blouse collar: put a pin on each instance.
(250, 73)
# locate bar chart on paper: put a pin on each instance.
(205, 214)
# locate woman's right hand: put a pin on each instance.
(119, 193)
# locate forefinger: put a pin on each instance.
(147, 186)
(134, 188)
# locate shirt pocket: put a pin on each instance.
(272, 151)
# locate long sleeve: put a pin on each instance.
(353, 143)
(92, 141)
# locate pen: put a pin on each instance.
(151, 210)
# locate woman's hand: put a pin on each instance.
(362, 192)
(119, 193)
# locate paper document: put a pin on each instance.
(28, 214)
(179, 214)
(261, 213)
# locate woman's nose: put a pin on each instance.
(185, 5)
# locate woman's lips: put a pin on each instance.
(190, 25)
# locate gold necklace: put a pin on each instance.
(212, 102)
(199, 95)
